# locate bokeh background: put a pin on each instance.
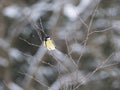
(86, 34)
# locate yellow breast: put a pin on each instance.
(49, 44)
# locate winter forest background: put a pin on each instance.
(86, 34)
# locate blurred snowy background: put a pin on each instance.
(87, 38)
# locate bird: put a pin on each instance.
(48, 43)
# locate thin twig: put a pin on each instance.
(100, 31)
(30, 76)
(29, 42)
(42, 29)
(99, 67)
(80, 18)
(88, 31)
(69, 52)
(36, 29)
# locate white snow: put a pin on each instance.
(12, 11)
(13, 86)
(116, 25)
(70, 11)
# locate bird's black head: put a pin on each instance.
(46, 37)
